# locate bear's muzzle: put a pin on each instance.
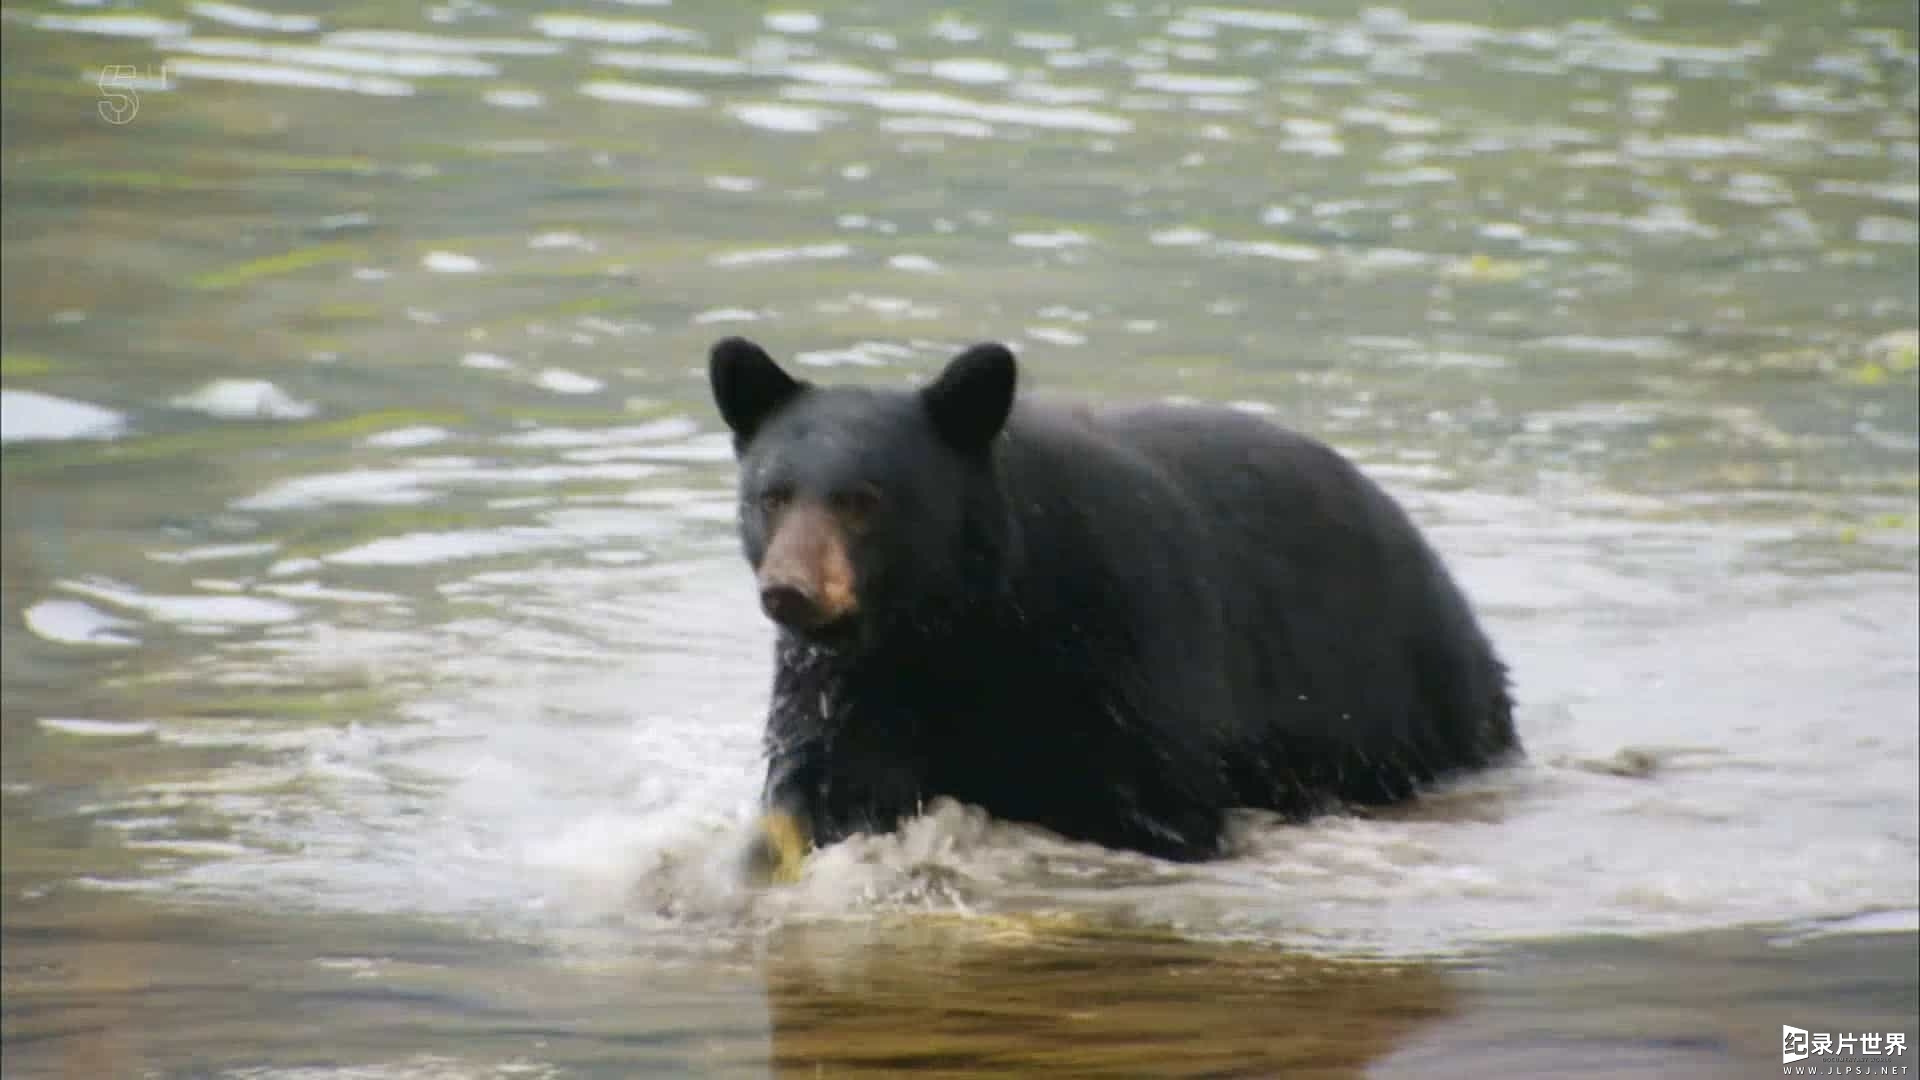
(806, 578)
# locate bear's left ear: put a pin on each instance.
(747, 385)
(969, 402)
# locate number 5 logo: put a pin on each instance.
(118, 100)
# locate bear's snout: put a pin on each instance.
(790, 606)
(806, 578)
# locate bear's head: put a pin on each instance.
(863, 510)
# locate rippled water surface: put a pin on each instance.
(383, 687)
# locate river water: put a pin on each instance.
(383, 685)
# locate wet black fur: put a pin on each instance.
(1114, 624)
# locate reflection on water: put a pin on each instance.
(109, 987)
(1010, 1000)
(1000, 1000)
(382, 685)
(104, 991)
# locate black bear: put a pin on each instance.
(1115, 624)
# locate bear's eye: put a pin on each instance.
(774, 500)
(856, 506)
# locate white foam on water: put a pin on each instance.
(1601, 47)
(1267, 249)
(954, 29)
(247, 18)
(1176, 83)
(1056, 95)
(266, 73)
(793, 22)
(1179, 236)
(1056, 335)
(429, 548)
(73, 622)
(410, 41)
(1042, 41)
(561, 240)
(1883, 229)
(971, 71)
(502, 97)
(1902, 921)
(785, 119)
(1058, 238)
(301, 565)
(31, 416)
(486, 361)
(1905, 193)
(775, 255)
(371, 487)
(139, 26)
(673, 63)
(562, 381)
(1392, 122)
(313, 590)
(860, 354)
(1252, 19)
(937, 125)
(406, 65)
(421, 1066)
(244, 399)
(1642, 347)
(451, 262)
(938, 103)
(672, 428)
(97, 729)
(189, 847)
(215, 552)
(612, 31)
(403, 486)
(828, 73)
(626, 93)
(406, 438)
(186, 610)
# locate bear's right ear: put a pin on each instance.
(747, 385)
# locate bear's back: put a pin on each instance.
(1343, 628)
(1260, 490)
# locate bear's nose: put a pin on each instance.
(790, 606)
